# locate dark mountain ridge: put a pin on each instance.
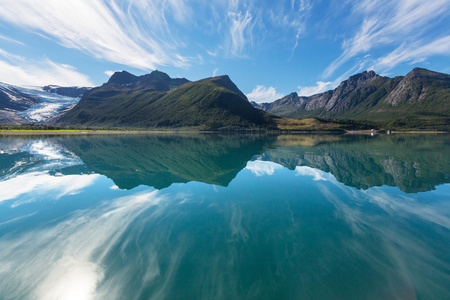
(156, 80)
(69, 91)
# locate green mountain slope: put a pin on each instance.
(421, 99)
(156, 100)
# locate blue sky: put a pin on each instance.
(268, 48)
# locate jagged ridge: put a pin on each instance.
(368, 96)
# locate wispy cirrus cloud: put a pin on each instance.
(261, 94)
(132, 33)
(391, 23)
(291, 16)
(22, 71)
(11, 56)
(240, 32)
(246, 25)
(5, 38)
(232, 24)
(413, 54)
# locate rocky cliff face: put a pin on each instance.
(341, 93)
(416, 86)
(368, 96)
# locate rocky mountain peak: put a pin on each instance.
(122, 77)
(291, 96)
(361, 78)
(157, 75)
(422, 73)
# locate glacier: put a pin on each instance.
(50, 104)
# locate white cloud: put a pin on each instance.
(386, 22)
(215, 72)
(261, 94)
(109, 73)
(132, 33)
(38, 73)
(320, 87)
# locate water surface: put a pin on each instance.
(225, 217)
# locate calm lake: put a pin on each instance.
(225, 217)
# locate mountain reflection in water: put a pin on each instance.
(225, 216)
(412, 163)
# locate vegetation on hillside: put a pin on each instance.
(203, 105)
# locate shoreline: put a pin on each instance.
(122, 132)
(375, 132)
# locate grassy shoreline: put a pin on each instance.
(77, 132)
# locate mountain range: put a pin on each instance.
(421, 99)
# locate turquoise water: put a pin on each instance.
(225, 217)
